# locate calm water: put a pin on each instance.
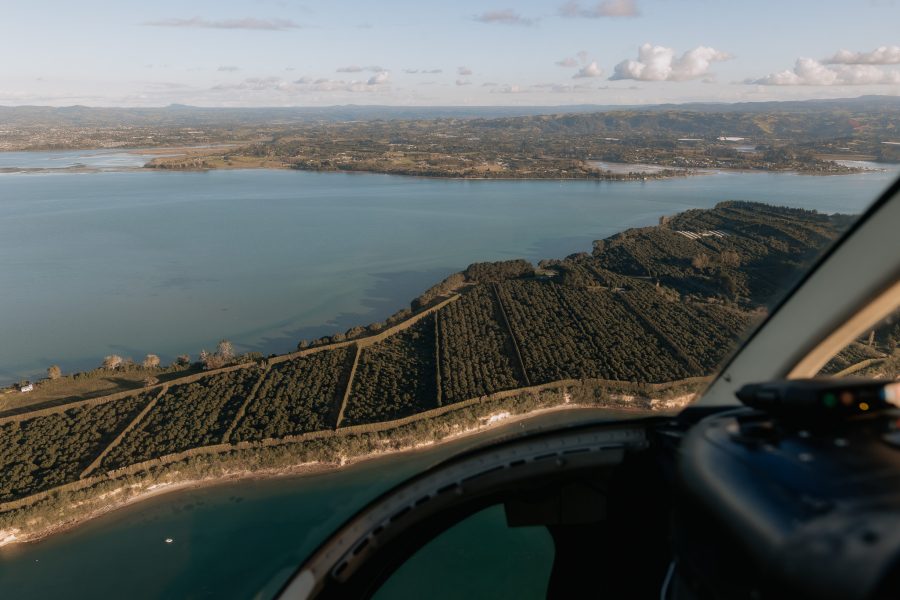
(137, 262)
(243, 539)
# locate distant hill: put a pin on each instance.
(182, 115)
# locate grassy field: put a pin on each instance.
(49, 393)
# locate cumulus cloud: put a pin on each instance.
(379, 78)
(568, 62)
(590, 70)
(607, 8)
(503, 17)
(883, 55)
(658, 63)
(808, 71)
(245, 23)
(358, 69)
(228, 69)
(464, 71)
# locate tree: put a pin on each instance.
(355, 332)
(150, 381)
(54, 372)
(730, 258)
(729, 286)
(211, 360)
(113, 361)
(225, 350)
(183, 360)
(151, 361)
(700, 261)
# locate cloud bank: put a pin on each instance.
(808, 71)
(358, 69)
(503, 17)
(658, 63)
(245, 23)
(883, 55)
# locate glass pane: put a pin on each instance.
(498, 562)
(872, 355)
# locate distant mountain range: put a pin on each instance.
(182, 115)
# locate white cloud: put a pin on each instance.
(305, 85)
(562, 88)
(423, 71)
(463, 82)
(245, 23)
(228, 69)
(591, 70)
(256, 84)
(607, 8)
(658, 63)
(568, 62)
(503, 17)
(883, 55)
(808, 71)
(464, 71)
(358, 69)
(379, 78)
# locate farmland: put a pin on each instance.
(648, 307)
(296, 396)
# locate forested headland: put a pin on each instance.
(642, 318)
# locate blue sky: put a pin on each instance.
(550, 52)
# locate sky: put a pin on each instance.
(407, 52)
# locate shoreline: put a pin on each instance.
(192, 151)
(8, 538)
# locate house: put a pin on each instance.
(26, 387)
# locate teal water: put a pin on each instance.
(243, 539)
(137, 262)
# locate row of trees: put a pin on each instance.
(47, 451)
(476, 352)
(700, 339)
(187, 416)
(297, 396)
(567, 332)
(495, 272)
(222, 356)
(396, 377)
